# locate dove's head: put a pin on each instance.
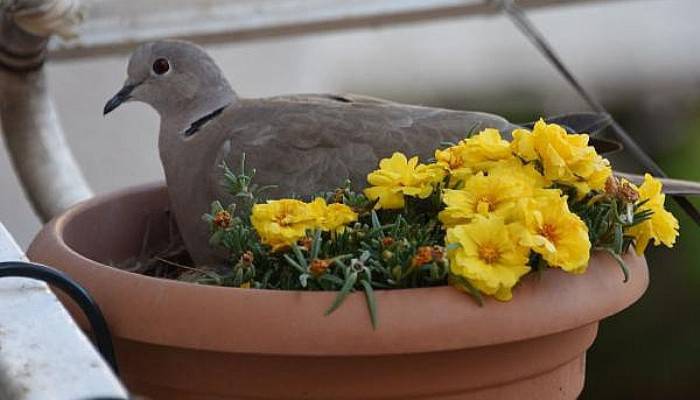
(177, 78)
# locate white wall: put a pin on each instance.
(650, 46)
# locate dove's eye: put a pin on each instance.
(161, 66)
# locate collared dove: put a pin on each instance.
(301, 143)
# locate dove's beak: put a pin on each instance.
(119, 98)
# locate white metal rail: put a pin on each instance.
(43, 353)
(115, 26)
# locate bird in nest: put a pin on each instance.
(302, 143)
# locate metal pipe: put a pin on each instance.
(32, 131)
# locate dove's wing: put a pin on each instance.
(330, 98)
(305, 144)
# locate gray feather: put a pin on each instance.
(301, 143)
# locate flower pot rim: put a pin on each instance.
(275, 322)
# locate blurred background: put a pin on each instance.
(641, 58)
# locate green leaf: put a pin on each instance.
(243, 163)
(338, 260)
(266, 187)
(344, 291)
(215, 239)
(474, 292)
(364, 256)
(453, 246)
(332, 279)
(294, 264)
(641, 203)
(303, 279)
(620, 262)
(266, 278)
(617, 242)
(371, 303)
(376, 225)
(216, 207)
(316, 244)
(300, 257)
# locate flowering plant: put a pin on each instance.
(485, 213)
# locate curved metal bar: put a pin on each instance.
(49, 174)
(99, 328)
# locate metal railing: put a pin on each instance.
(48, 172)
(43, 353)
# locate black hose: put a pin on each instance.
(103, 338)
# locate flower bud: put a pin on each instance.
(621, 189)
(423, 255)
(396, 273)
(305, 243)
(438, 253)
(247, 258)
(319, 267)
(387, 255)
(222, 219)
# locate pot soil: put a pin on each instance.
(176, 340)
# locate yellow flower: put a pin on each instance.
(398, 177)
(523, 145)
(662, 226)
(566, 158)
(524, 175)
(496, 193)
(488, 256)
(559, 235)
(481, 194)
(476, 153)
(484, 148)
(282, 222)
(332, 217)
(452, 161)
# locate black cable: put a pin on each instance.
(520, 20)
(100, 330)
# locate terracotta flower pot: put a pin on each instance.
(177, 340)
